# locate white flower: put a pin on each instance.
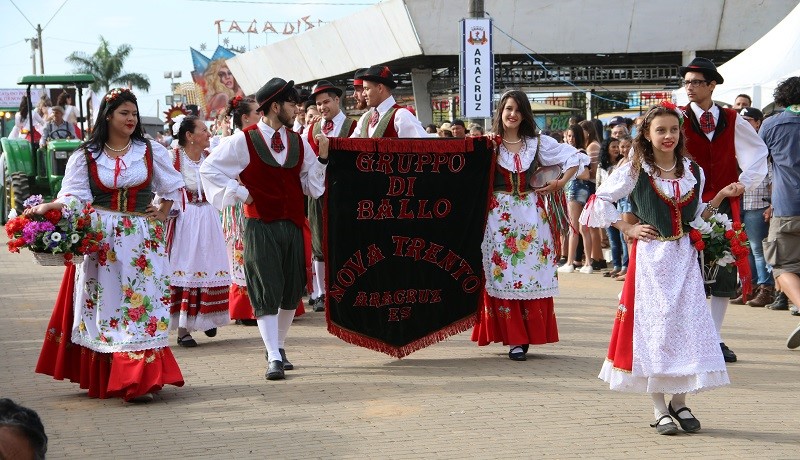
(55, 236)
(12, 214)
(727, 258)
(701, 225)
(74, 238)
(723, 220)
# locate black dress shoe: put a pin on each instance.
(727, 353)
(516, 354)
(319, 305)
(668, 428)
(525, 348)
(286, 364)
(211, 332)
(275, 371)
(311, 301)
(187, 341)
(689, 425)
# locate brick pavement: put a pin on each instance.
(451, 400)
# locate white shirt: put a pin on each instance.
(751, 151)
(220, 170)
(405, 123)
(338, 121)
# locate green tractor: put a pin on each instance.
(27, 169)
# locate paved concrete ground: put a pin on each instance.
(451, 400)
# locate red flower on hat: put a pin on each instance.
(385, 72)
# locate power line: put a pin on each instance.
(54, 14)
(23, 14)
(12, 44)
(270, 2)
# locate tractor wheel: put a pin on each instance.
(17, 191)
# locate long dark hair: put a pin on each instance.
(527, 126)
(589, 127)
(24, 107)
(643, 148)
(237, 108)
(605, 155)
(111, 101)
(187, 126)
(578, 136)
(62, 99)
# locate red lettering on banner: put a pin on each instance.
(399, 314)
(398, 297)
(366, 209)
(422, 162)
(352, 269)
(397, 186)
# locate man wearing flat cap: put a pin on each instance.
(276, 167)
(385, 118)
(333, 123)
(729, 150)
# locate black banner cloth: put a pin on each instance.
(403, 225)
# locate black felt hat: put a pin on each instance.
(704, 66)
(380, 74)
(357, 81)
(271, 90)
(324, 86)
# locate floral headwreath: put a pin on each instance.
(674, 108)
(235, 102)
(114, 93)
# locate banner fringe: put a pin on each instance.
(403, 145)
(405, 350)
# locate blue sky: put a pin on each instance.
(160, 32)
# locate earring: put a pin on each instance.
(191, 142)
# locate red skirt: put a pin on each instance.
(240, 307)
(516, 322)
(106, 375)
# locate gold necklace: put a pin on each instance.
(118, 150)
(513, 142)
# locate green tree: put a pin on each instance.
(106, 66)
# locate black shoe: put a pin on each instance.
(211, 332)
(781, 302)
(187, 341)
(562, 261)
(689, 425)
(319, 305)
(525, 348)
(287, 366)
(275, 371)
(727, 353)
(516, 354)
(311, 301)
(248, 322)
(599, 264)
(669, 428)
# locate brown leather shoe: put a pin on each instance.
(764, 296)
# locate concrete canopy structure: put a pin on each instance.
(589, 43)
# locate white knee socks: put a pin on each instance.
(268, 327)
(285, 318)
(719, 305)
(319, 279)
(659, 405)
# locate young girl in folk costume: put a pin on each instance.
(518, 244)
(109, 327)
(664, 340)
(243, 112)
(199, 276)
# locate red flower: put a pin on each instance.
(496, 258)
(742, 236)
(159, 232)
(113, 323)
(700, 245)
(695, 235)
(730, 234)
(518, 285)
(128, 293)
(152, 326)
(545, 250)
(141, 262)
(505, 216)
(127, 223)
(135, 313)
(737, 226)
(53, 215)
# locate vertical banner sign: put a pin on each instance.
(404, 221)
(477, 68)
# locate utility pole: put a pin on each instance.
(476, 9)
(41, 53)
(33, 52)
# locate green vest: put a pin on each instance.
(669, 216)
(516, 183)
(380, 128)
(133, 199)
(344, 131)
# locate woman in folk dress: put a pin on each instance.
(109, 327)
(518, 246)
(199, 276)
(664, 340)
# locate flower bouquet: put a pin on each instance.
(57, 236)
(721, 243)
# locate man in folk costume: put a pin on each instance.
(385, 118)
(334, 123)
(728, 149)
(358, 90)
(276, 167)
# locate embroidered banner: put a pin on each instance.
(403, 229)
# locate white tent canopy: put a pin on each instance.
(758, 69)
